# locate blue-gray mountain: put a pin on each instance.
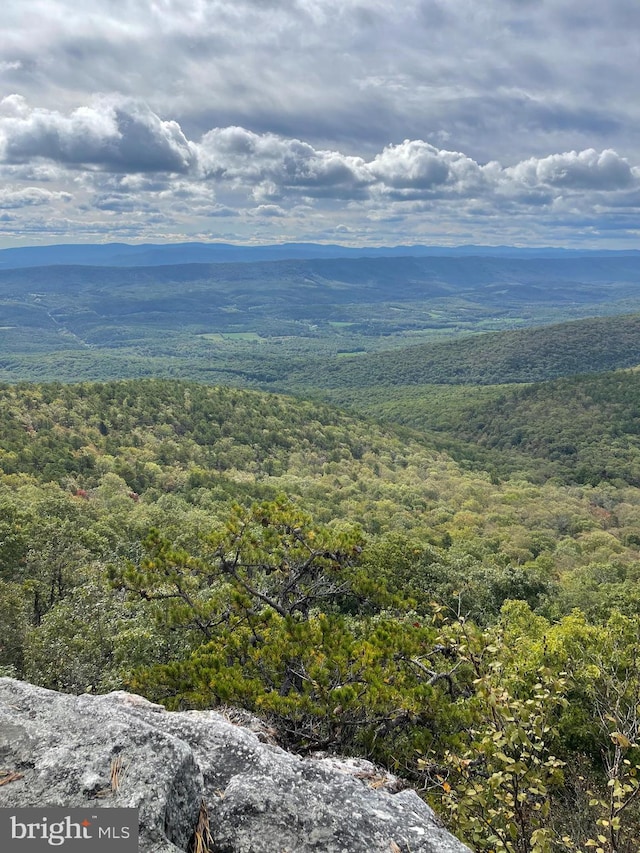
(265, 323)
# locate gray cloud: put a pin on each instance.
(116, 156)
(269, 210)
(181, 111)
(120, 135)
(304, 68)
(237, 154)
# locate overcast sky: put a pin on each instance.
(354, 121)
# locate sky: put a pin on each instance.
(361, 122)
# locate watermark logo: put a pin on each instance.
(69, 830)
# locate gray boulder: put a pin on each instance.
(198, 769)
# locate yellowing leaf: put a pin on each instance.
(620, 740)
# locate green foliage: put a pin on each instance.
(518, 356)
(292, 631)
(14, 623)
(324, 683)
(580, 429)
(471, 574)
(73, 644)
(498, 790)
(289, 324)
(392, 605)
(270, 555)
(517, 780)
(90, 640)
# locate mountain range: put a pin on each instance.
(160, 254)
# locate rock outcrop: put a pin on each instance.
(121, 750)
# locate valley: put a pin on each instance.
(257, 323)
(389, 505)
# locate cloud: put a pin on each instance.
(115, 160)
(239, 155)
(584, 170)
(336, 71)
(416, 168)
(114, 134)
(411, 164)
(11, 198)
(269, 210)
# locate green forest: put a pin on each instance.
(350, 580)
(396, 523)
(292, 325)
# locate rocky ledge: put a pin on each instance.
(199, 769)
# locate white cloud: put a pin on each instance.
(239, 155)
(584, 170)
(411, 164)
(503, 79)
(11, 197)
(8, 65)
(112, 133)
(268, 210)
(420, 168)
(116, 159)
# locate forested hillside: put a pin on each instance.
(580, 429)
(268, 323)
(524, 355)
(360, 590)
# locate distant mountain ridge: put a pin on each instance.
(152, 254)
(296, 321)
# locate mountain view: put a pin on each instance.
(391, 505)
(320, 423)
